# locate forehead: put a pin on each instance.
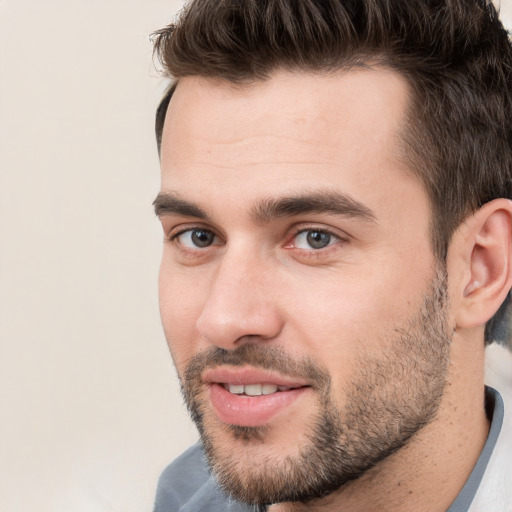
(294, 130)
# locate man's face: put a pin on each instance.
(304, 309)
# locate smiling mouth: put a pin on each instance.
(248, 396)
(256, 389)
(253, 404)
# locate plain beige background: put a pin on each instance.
(89, 404)
(90, 410)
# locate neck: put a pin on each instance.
(441, 456)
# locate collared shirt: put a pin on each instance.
(495, 412)
(187, 484)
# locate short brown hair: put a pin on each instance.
(455, 55)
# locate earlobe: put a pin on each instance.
(488, 276)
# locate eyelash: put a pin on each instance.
(315, 252)
(310, 253)
(173, 236)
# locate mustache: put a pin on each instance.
(258, 356)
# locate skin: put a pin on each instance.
(228, 149)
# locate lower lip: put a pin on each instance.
(251, 411)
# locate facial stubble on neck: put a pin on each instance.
(392, 396)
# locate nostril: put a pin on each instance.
(231, 329)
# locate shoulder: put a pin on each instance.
(187, 485)
(495, 492)
(181, 479)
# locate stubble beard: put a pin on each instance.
(392, 396)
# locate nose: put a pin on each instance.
(241, 306)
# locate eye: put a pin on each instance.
(314, 239)
(196, 238)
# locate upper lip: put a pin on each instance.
(249, 375)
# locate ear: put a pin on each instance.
(484, 257)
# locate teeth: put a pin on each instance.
(268, 389)
(254, 389)
(236, 389)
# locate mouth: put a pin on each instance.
(251, 397)
(256, 389)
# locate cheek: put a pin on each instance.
(180, 306)
(340, 307)
(330, 323)
(344, 317)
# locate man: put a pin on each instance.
(337, 236)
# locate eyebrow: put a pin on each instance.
(320, 201)
(171, 204)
